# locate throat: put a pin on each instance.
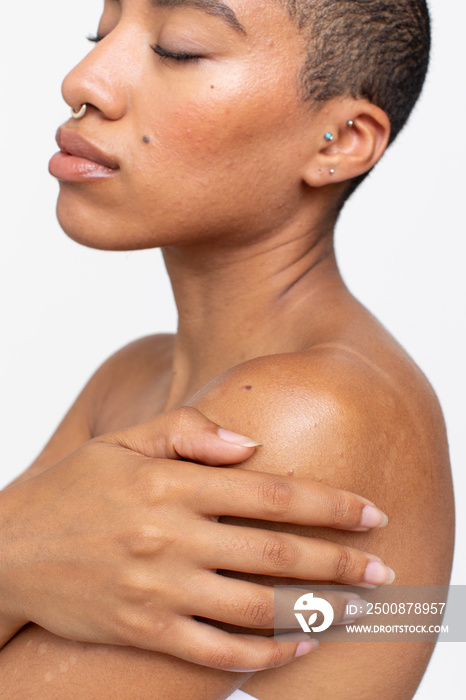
(248, 307)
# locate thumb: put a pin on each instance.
(186, 433)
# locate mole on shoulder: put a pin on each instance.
(146, 139)
(248, 387)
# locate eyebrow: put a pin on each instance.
(212, 7)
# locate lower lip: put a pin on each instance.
(70, 168)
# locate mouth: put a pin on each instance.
(79, 160)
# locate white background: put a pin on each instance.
(65, 308)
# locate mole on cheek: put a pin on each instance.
(248, 387)
(146, 139)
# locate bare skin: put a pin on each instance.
(270, 343)
(392, 435)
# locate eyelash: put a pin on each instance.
(181, 57)
(163, 53)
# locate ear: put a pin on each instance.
(360, 131)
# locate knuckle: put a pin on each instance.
(141, 628)
(275, 494)
(343, 564)
(225, 658)
(186, 426)
(132, 586)
(153, 484)
(339, 508)
(146, 541)
(259, 612)
(276, 656)
(183, 416)
(277, 554)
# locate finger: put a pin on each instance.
(254, 606)
(297, 500)
(270, 553)
(206, 645)
(186, 433)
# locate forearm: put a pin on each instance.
(92, 670)
(10, 623)
(8, 629)
(99, 672)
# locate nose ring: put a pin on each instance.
(78, 114)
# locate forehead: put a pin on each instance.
(237, 14)
(216, 8)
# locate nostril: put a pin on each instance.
(80, 112)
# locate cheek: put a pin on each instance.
(224, 134)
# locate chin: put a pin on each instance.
(95, 227)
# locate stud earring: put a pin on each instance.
(328, 136)
(332, 171)
(351, 123)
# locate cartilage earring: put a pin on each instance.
(350, 123)
(328, 136)
(79, 113)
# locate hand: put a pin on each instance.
(118, 543)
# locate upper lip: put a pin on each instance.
(76, 145)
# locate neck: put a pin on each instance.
(237, 303)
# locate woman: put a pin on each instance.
(270, 342)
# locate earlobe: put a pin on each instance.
(351, 146)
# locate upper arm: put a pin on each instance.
(78, 425)
(336, 424)
(74, 429)
(340, 421)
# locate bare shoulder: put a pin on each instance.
(335, 390)
(110, 398)
(130, 383)
(143, 356)
(371, 425)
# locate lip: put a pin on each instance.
(74, 144)
(79, 160)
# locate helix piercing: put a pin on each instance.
(78, 114)
(328, 136)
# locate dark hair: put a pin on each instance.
(373, 49)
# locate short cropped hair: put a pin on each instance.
(373, 49)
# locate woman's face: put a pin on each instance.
(198, 105)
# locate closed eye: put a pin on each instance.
(163, 53)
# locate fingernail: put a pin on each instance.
(306, 647)
(236, 438)
(373, 517)
(378, 574)
(354, 609)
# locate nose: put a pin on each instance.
(99, 80)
